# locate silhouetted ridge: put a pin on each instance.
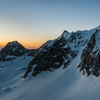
(13, 49)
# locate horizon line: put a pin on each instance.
(26, 46)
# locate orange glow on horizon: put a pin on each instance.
(27, 45)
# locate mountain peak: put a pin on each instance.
(13, 48)
(65, 31)
(64, 35)
(13, 43)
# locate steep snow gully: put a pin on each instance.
(66, 68)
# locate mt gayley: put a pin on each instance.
(61, 69)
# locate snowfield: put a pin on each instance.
(68, 84)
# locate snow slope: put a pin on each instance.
(11, 72)
(68, 84)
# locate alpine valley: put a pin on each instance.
(67, 68)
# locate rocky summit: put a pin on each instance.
(61, 52)
(13, 49)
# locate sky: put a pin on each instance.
(33, 22)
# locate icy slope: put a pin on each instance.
(12, 70)
(68, 84)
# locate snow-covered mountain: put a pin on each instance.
(60, 52)
(14, 49)
(66, 68)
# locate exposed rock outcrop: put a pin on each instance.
(56, 53)
(90, 59)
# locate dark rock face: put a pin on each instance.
(54, 56)
(14, 49)
(90, 59)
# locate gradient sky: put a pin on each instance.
(33, 22)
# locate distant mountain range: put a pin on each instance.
(58, 67)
